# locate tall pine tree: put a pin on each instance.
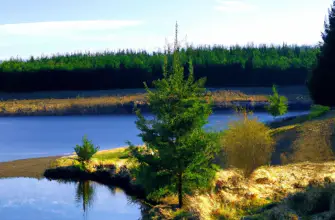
(178, 153)
(322, 79)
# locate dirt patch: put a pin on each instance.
(33, 168)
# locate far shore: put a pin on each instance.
(128, 109)
(115, 102)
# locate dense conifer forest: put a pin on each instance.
(223, 66)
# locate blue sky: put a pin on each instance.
(37, 27)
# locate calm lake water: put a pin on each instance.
(27, 137)
(30, 199)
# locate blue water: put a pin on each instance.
(32, 199)
(27, 137)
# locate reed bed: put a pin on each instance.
(100, 105)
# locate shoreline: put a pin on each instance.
(106, 176)
(50, 159)
(128, 109)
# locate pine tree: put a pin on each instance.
(322, 79)
(177, 155)
(277, 104)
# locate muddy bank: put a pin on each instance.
(33, 168)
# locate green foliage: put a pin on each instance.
(322, 79)
(86, 151)
(182, 215)
(178, 153)
(318, 110)
(247, 144)
(277, 104)
(223, 66)
(123, 154)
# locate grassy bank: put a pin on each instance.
(120, 101)
(35, 167)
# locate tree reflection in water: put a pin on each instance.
(85, 195)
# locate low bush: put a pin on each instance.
(318, 110)
(247, 144)
(277, 104)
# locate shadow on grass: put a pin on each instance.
(315, 202)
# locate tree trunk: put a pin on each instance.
(180, 190)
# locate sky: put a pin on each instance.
(40, 27)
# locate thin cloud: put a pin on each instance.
(61, 28)
(234, 6)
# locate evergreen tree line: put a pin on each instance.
(321, 81)
(234, 66)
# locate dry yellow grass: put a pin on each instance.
(95, 104)
(236, 195)
(104, 157)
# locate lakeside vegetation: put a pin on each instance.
(233, 194)
(124, 103)
(223, 66)
(99, 105)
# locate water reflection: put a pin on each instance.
(22, 198)
(85, 195)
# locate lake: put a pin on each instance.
(32, 199)
(26, 137)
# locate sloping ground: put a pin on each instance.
(307, 150)
(298, 141)
(235, 196)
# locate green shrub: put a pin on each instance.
(182, 215)
(86, 151)
(247, 144)
(277, 104)
(318, 110)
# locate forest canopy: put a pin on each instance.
(223, 66)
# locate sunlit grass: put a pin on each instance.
(117, 157)
(98, 104)
(235, 196)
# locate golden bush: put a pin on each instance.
(247, 144)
